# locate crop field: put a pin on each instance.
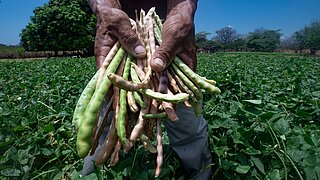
(265, 124)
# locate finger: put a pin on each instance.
(120, 27)
(102, 46)
(188, 54)
(175, 32)
(164, 54)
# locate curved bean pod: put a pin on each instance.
(84, 100)
(86, 126)
(195, 78)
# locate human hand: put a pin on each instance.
(113, 24)
(178, 36)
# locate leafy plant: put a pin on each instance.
(264, 125)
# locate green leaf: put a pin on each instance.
(19, 128)
(310, 173)
(257, 162)
(46, 151)
(311, 139)
(11, 172)
(91, 176)
(60, 174)
(49, 127)
(297, 155)
(23, 156)
(226, 165)
(274, 175)
(252, 151)
(282, 126)
(242, 169)
(64, 152)
(256, 102)
(311, 161)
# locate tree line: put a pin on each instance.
(69, 25)
(262, 40)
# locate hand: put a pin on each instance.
(178, 36)
(112, 25)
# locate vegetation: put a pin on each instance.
(265, 123)
(227, 38)
(262, 40)
(60, 25)
(309, 37)
(10, 49)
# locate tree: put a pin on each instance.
(291, 43)
(201, 39)
(264, 40)
(203, 43)
(300, 37)
(239, 44)
(226, 36)
(60, 25)
(310, 37)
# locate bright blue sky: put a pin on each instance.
(243, 15)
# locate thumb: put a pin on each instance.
(161, 58)
(122, 30)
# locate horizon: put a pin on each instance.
(244, 16)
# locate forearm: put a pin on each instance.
(98, 5)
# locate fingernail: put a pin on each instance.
(139, 49)
(159, 62)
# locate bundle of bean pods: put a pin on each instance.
(134, 98)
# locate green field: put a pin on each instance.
(264, 124)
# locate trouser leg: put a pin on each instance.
(189, 139)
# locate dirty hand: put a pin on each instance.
(113, 24)
(178, 35)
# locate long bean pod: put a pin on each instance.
(195, 78)
(188, 82)
(121, 129)
(84, 100)
(125, 84)
(182, 86)
(162, 115)
(180, 97)
(86, 126)
(159, 149)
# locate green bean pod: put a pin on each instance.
(138, 99)
(197, 92)
(86, 125)
(180, 97)
(183, 87)
(162, 115)
(177, 98)
(136, 79)
(197, 108)
(121, 129)
(195, 78)
(84, 100)
(134, 75)
(157, 31)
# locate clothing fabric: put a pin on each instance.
(188, 138)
